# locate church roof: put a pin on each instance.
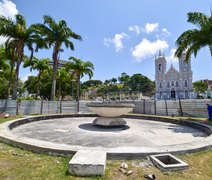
(171, 70)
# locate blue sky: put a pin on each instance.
(118, 35)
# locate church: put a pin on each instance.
(173, 84)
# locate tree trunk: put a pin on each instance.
(59, 90)
(78, 94)
(54, 75)
(38, 87)
(10, 81)
(15, 87)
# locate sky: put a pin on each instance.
(118, 35)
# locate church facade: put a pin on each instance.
(173, 84)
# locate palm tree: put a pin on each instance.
(4, 57)
(18, 36)
(193, 40)
(113, 80)
(79, 69)
(63, 76)
(55, 35)
(38, 64)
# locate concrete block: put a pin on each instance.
(87, 163)
(168, 162)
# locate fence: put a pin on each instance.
(29, 107)
(190, 107)
(185, 107)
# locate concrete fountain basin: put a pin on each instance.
(110, 113)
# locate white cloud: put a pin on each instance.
(8, 9)
(166, 32)
(171, 57)
(116, 41)
(135, 29)
(147, 48)
(151, 27)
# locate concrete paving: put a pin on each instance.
(136, 139)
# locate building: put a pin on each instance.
(61, 63)
(208, 82)
(209, 90)
(173, 84)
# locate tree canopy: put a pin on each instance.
(192, 40)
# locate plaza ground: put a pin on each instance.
(20, 164)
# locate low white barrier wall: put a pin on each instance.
(190, 107)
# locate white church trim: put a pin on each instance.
(173, 84)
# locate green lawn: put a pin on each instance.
(18, 164)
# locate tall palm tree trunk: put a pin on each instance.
(78, 93)
(59, 91)
(54, 75)
(15, 86)
(10, 81)
(38, 87)
(53, 89)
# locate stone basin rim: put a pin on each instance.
(111, 105)
(8, 137)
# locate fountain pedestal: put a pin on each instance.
(110, 113)
(109, 122)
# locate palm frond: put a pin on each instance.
(197, 18)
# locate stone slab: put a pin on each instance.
(88, 163)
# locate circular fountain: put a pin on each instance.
(65, 134)
(110, 113)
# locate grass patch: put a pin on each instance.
(2, 120)
(20, 164)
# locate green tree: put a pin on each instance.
(102, 91)
(200, 87)
(29, 84)
(55, 35)
(193, 40)
(18, 37)
(124, 78)
(92, 83)
(141, 83)
(7, 63)
(107, 82)
(40, 65)
(3, 80)
(64, 79)
(20, 88)
(113, 80)
(45, 84)
(79, 68)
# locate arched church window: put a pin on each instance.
(168, 84)
(160, 85)
(177, 85)
(185, 83)
(160, 67)
(172, 84)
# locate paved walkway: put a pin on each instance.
(137, 137)
(81, 132)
